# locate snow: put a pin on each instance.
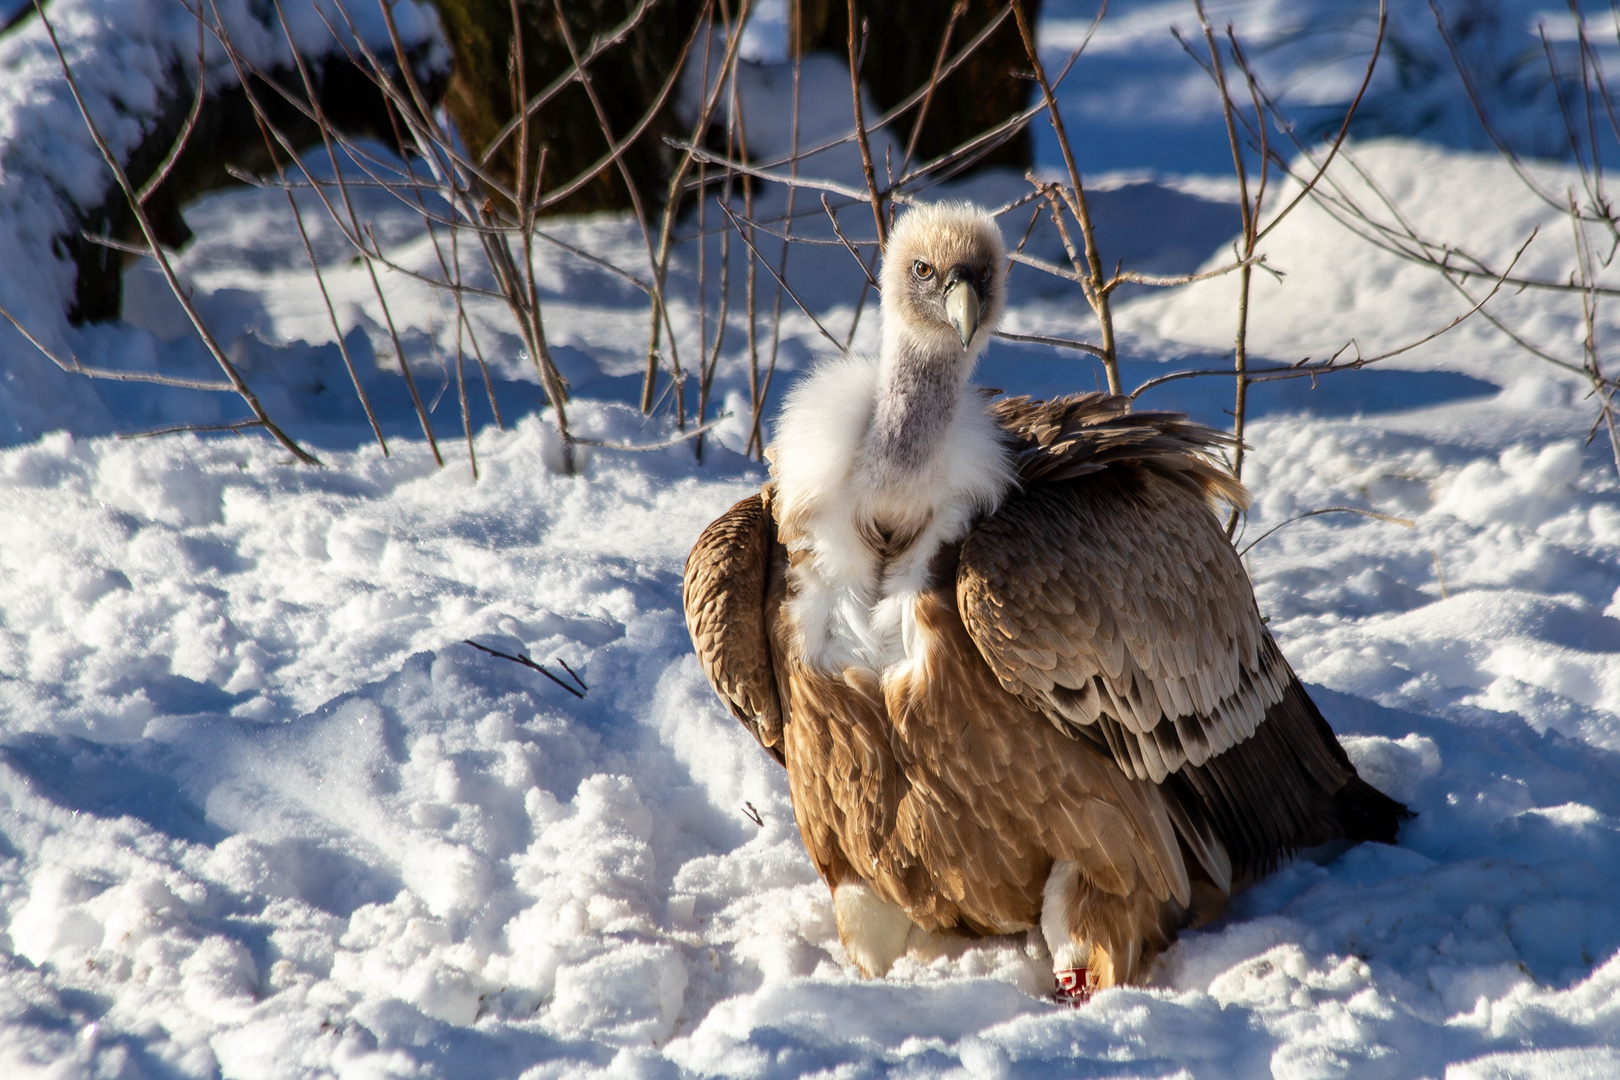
(123, 54)
(265, 814)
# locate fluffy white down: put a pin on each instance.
(872, 930)
(1056, 901)
(851, 609)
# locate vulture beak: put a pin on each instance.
(962, 302)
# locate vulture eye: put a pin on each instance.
(984, 276)
(922, 270)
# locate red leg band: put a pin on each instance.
(1072, 987)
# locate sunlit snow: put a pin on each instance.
(263, 814)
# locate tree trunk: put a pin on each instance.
(227, 136)
(627, 77)
(901, 45)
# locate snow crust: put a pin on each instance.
(266, 815)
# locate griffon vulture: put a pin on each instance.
(1013, 667)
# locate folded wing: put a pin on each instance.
(1107, 596)
(727, 574)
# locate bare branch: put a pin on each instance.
(1056, 342)
(119, 245)
(1132, 277)
(1076, 198)
(1344, 128)
(1484, 116)
(780, 281)
(673, 440)
(832, 217)
(188, 429)
(595, 260)
(599, 44)
(169, 275)
(660, 313)
(958, 9)
(1045, 267)
(698, 153)
(860, 131)
(756, 434)
(1240, 354)
(1304, 369)
(523, 660)
(614, 156)
(186, 128)
(1407, 522)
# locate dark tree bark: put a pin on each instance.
(627, 78)
(226, 136)
(902, 44)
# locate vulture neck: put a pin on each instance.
(920, 381)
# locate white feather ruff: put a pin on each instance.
(850, 609)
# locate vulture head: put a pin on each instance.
(943, 282)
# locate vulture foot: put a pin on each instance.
(1072, 988)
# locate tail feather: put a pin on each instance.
(1365, 813)
(1287, 787)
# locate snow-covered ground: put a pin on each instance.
(263, 814)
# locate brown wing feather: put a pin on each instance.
(1291, 786)
(1086, 433)
(1114, 597)
(727, 574)
(1107, 597)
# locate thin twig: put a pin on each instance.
(782, 282)
(315, 268)
(1344, 128)
(72, 365)
(707, 367)
(1057, 342)
(183, 429)
(572, 674)
(673, 440)
(860, 302)
(907, 103)
(756, 435)
(750, 278)
(599, 44)
(838, 232)
(1240, 353)
(660, 313)
(1075, 196)
(189, 126)
(1407, 522)
(958, 9)
(698, 153)
(461, 381)
(1304, 369)
(860, 131)
(1133, 277)
(589, 85)
(1483, 115)
(325, 128)
(525, 661)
